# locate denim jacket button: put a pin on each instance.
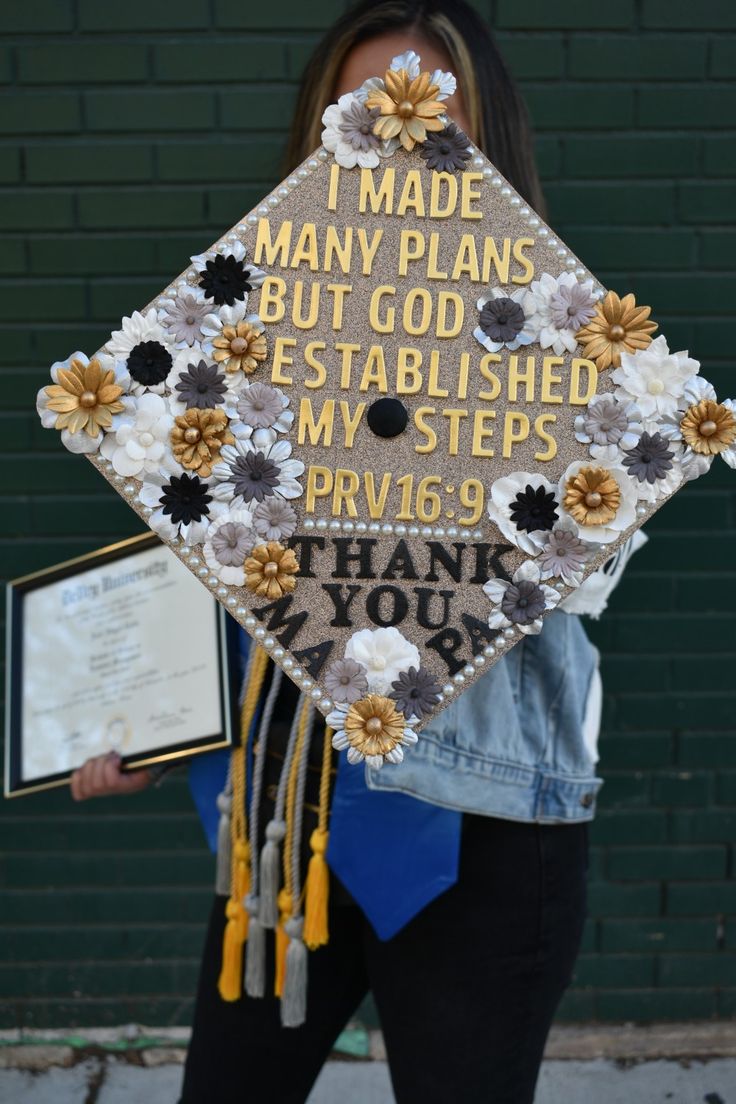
(586, 800)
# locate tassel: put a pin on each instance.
(271, 873)
(255, 951)
(285, 904)
(317, 890)
(294, 989)
(230, 983)
(224, 847)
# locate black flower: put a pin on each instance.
(523, 602)
(225, 279)
(149, 363)
(254, 477)
(446, 150)
(534, 508)
(650, 459)
(501, 319)
(415, 692)
(185, 498)
(202, 386)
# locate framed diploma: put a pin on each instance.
(123, 650)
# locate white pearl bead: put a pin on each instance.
(335, 525)
(283, 192)
(307, 684)
(312, 164)
(213, 580)
(279, 653)
(325, 705)
(259, 633)
(203, 572)
(459, 678)
(505, 191)
(439, 531)
(302, 173)
(288, 663)
(469, 670)
(297, 674)
(374, 527)
(515, 201)
(273, 201)
(387, 527)
(448, 689)
(400, 530)
(250, 621)
(222, 592)
(543, 232)
(263, 209)
(452, 531)
(413, 531)
(292, 182)
(322, 523)
(508, 633)
(241, 611)
(479, 660)
(489, 650)
(308, 523)
(322, 155)
(360, 527)
(129, 488)
(269, 642)
(533, 221)
(231, 601)
(479, 161)
(316, 694)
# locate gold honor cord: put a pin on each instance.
(317, 885)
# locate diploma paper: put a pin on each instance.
(123, 656)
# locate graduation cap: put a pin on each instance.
(391, 421)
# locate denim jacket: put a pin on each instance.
(521, 742)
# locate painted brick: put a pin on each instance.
(142, 15)
(256, 109)
(291, 13)
(564, 14)
(108, 299)
(230, 59)
(657, 935)
(698, 899)
(61, 300)
(706, 203)
(666, 862)
(647, 1005)
(576, 1006)
(681, 15)
(632, 827)
(606, 204)
(707, 749)
(641, 749)
(704, 108)
(717, 248)
(145, 111)
(232, 160)
(107, 255)
(719, 155)
(13, 257)
(625, 790)
(611, 899)
(718, 825)
(580, 107)
(50, 15)
(698, 970)
(726, 787)
(683, 788)
(618, 248)
(637, 57)
(614, 971)
(535, 57)
(67, 163)
(4, 65)
(47, 210)
(66, 62)
(118, 210)
(39, 112)
(9, 165)
(634, 155)
(723, 57)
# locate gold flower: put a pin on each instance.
(708, 427)
(240, 347)
(197, 437)
(617, 326)
(373, 725)
(408, 108)
(592, 496)
(270, 570)
(86, 397)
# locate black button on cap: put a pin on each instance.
(387, 417)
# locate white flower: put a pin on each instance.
(248, 474)
(661, 488)
(506, 507)
(625, 513)
(140, 443)
(411, 62)
(340, 741)
(655, 379)
(521, 602)
(230, 540)
(82, 442)
(694, 464)
(541, 303)
(192, 522)
(608, 427)
(384, 653)
(135, 335)
(349, 133)
(504, 325)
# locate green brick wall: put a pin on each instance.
(131, 135)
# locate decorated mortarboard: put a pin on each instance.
(389, 418)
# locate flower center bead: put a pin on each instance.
(238, 345)
(270, 569)
(616, 332)
(707, 429)
(405, 109)
(191, 320)
(88, 398)
(373, 726)
(593, 499)
(192, 435)
(655, 387)
(146, 439)
(379, 663)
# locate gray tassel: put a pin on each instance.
(294, 997)
(255, 951)
(224, 845)
(271, 873)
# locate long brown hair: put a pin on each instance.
(497, 113)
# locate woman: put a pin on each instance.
(467, 989)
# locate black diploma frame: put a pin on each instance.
(132, 655)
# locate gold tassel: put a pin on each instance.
(317, 885)
(230, 983)
(286, 905)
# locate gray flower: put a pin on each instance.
(274, 519)
(346, 681)
(357, 126)
(572, 306)
(523, 602)
(650, 459)
(254, 477)
(415, 692)
(446, 150)
(231, 543)
(202, 386)
(183, 317)
(501, 319)
(564, 554)
(608, 426)
(260, 406)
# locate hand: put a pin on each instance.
(102, 776)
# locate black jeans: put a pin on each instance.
(466, 992)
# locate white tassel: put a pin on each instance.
(270, 873)
(294, 997)
(255, 951)
(224, 845)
